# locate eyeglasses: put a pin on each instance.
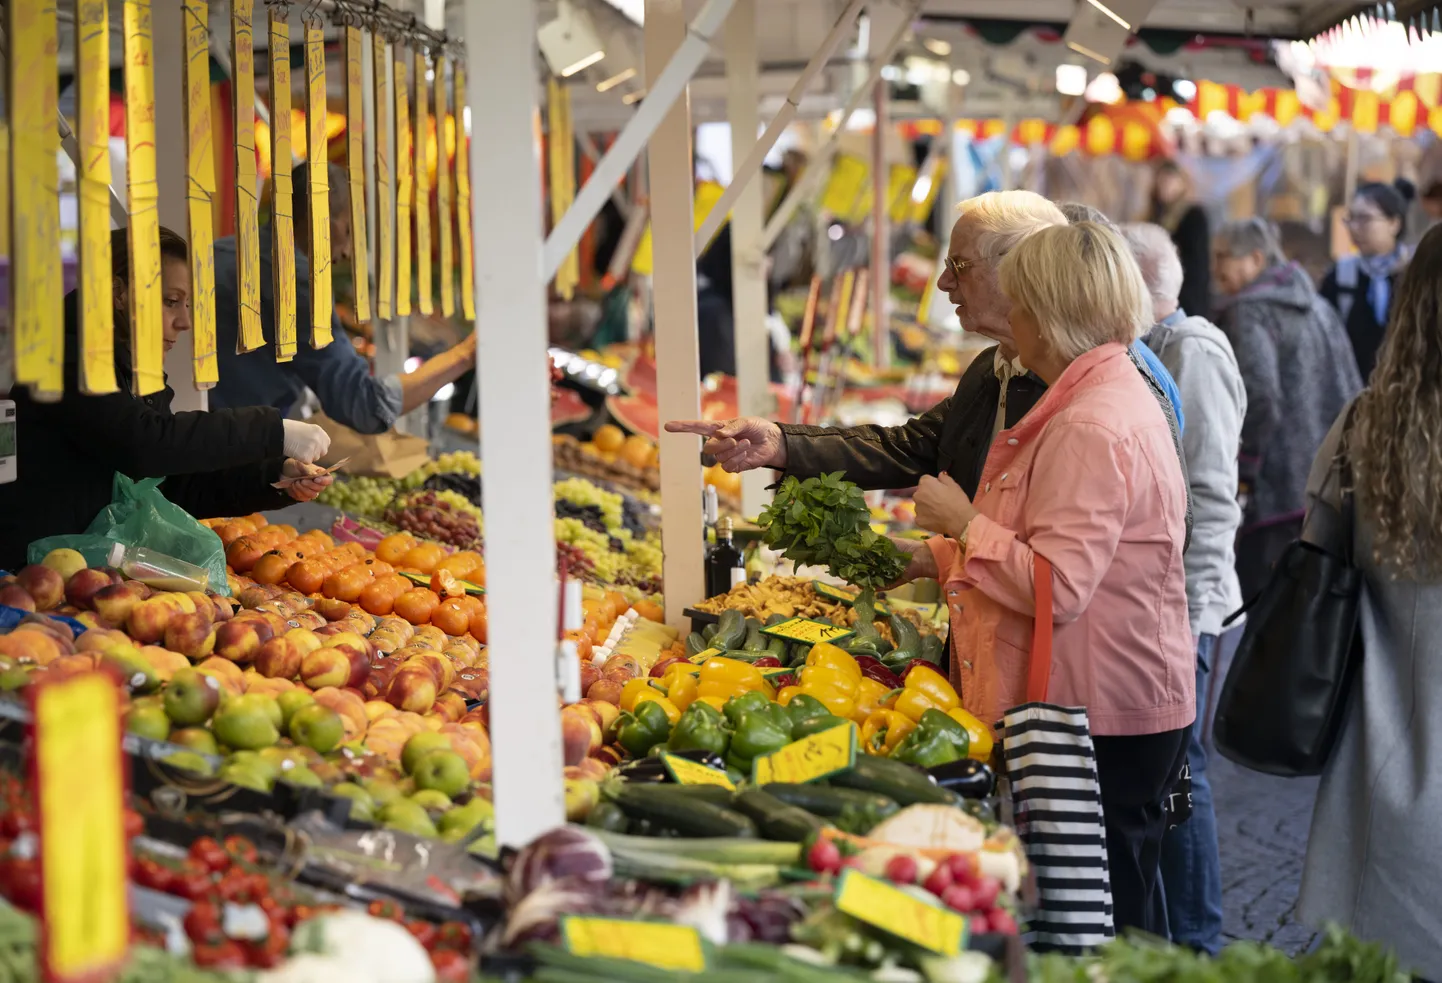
(956, 267)
(1361, 218)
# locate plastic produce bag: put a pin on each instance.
(139, 515)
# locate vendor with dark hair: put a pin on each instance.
(215, 464)
(1361, 285)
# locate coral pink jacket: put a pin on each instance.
(1090, 480)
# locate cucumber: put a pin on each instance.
(908, 639)
(893, 779)
(862, 645)
(775, 819)
(687, 814)
(730, 630)
(714, 794)
(695, 644)
(608, 816)
(776, 647)
(775, 619)
(828, 801)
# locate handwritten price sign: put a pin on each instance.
(700, 657)
(843, 595)
(688, 772)
(823, 753)
(891, 910)
(808, 632)
(659, 944)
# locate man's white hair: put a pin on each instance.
(1156, 254)
(1004, 218)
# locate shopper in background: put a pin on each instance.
(1173, 208)
(1200, 359)
(1089, 480)
(339, 376)
(215, 464)
(1299, 372)
(1372, 862)
(1361, 285)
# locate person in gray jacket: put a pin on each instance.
(1200, 359)
(1372, 860)
(1299, 370)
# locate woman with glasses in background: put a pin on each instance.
(1361, 285)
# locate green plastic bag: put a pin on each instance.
(139, 515)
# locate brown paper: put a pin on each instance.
(384, 455)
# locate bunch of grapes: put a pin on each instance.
(596, 546)
(427, 514)
(588, 514)
(578, 564)
(455, 462)
(580, 492)
(360, 496)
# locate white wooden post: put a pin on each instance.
(513, 374)
(678, 383)
(748, 291)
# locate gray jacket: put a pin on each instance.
(1200, 359)
(1299, 370)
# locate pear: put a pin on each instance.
(189, 761)
(408, 817)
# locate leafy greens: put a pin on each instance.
(825, 521)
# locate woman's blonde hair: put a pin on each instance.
(1082, 285)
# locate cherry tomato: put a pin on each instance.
(220, 955)
(380, 908)
(202, 923)
(154, 875)
(20, 882)
(16, 821)
(451, 966)
(192, 883)
(210, 854)
(298, 914)
(234, 886)
(134, 824)
(425, 933)
(454, 935)
(241, 849)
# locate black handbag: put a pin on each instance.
(1285, 695)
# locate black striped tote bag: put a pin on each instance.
(1050, 766)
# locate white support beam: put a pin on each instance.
(678, 382)
(880, 230)
(748, 289)
(513, 374)
(743, 172)
(664, 86)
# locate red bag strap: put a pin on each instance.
(1039, 672)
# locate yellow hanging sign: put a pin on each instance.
(901, 182)
(445, 207)
(200, 190)
(661, 944)
(422, 178)
(385, 195)
(405, 191)
(146, 333)
(901, 914)
(845, 186)
(92, 180)
(560, 167)
(250, 336)
(355, 163)
(282, 206)
(708, 193)
(322, 294)
(35, 286)
(463, 197)
(7, 349)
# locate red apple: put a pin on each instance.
(412, 688)
(279, 658)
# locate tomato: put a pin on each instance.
(451, 966)
(454, 935)
(192, 882)
(235, 886)
(241, 849)
(154, 875)
(380, 908)
(824, 857)
(20, 882)
(16, 821)
(425, 933)
(202, 923)
(300, 913)
(134, 824)
(210, 855)
(220, 955)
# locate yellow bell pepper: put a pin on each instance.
(883, 730)
(833, 687)
(787, 692)
(925, 689)
(655, 696)
(980, 734)
(829, 656)
(739, 676)
(716, 702)
(870, 697)
(631, 692)
(681, 686)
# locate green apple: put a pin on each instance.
(456, 823)
(442, 771)
(189, 761)
(318, 727)
(197, 739)
(267, 704)
(431, 799)
(301, 775)
(382, 790)
(148, 721)
(127, 664)
(420, 745)
(289, 702)
(362, 806)
(245, 726)
(15, 677)
(258, 761)
(252, 776)
(191, 697)
(408, 817)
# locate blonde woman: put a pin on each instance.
(1372, 859)
(1088, 479)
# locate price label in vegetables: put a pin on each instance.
(700, 657)
(901, 914)
(824, 753)
(808, 632)
(85, 912)
(843, 595)
(688, 772)
(659, 944)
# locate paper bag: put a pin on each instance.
(382, 455)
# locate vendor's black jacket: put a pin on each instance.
(215, 464)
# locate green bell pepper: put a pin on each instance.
(937, 740)
(815, 725)
(643, 727)
(803, 708)
(744, 703)
(757, 733)
(701, 728)
(778, 715)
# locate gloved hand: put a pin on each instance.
(304, 441)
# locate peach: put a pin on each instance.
(309, 619)
(71, 665)
(387, 738)
(100, 639)
(141, 588)
(240, 640)
(605, 691)
(180, 602)
(149, 619)
(473, 684)
(442, 668)
(224, 607)
(191, 635)
(331, 609)
(27, 645)
(475, 750)
(252, 597)
(431, 637)
(593, 768)
(305, 639)
(114, 602)
(378, 709)
(608, 711)
(15, 596)
(43, 584)
(590, 674)
(279, 658)
(226, 673)
(351, 708)
(450, 705)
(325, 667)
(203, 604)
(83, 586)
(163, 661)
(580, 734)
(412, 688)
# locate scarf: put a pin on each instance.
(1379, 270)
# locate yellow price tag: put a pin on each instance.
(688, 772)
(807, 631)
(445, 208)
(282, 205)
(700, 657)
(463, 197)
(823, 753)
(659, 944)
(421, 176)
(405, 191)
(85, 911)
(356, 172)
(247, 206)
(385, 200)
(898, 913)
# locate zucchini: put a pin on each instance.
(708, 633)
(862, 645)
(933, 649)
(908, 639)
(608, 816)
(776, 647)
(695, 644)
(775, 619)
(755, 641)
(828, 801)
(714, 794)
(775, 819)
(730, 630)
(688, 815)
(711, 849)
(893, 779)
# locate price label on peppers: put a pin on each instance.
(688, 772)
(901, 914)
(807, 631)
(660, 944)
(824, 753)
(700, 657)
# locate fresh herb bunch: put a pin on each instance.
(825, 521)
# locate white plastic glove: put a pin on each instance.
(304, 441)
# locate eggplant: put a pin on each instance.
(652, 769)
(873, 668)
(968, 778)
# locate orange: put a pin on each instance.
(650, 611)
(636, 451)
(451, 616)
(377, 599)
(425, 557)
(306, 576)
(608, 438)
(460, 564)
(394, 546)
(478, 625)
(416, 605)
(728, 484)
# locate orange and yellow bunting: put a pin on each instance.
(200, 190)
(282, 206)
(92, 179)
(421, 177)
(445, 206)
(146, 331)
(463, 197)
(355, 165)
(385, 194)
(322, 295)
(247, 205)
(405, 190)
